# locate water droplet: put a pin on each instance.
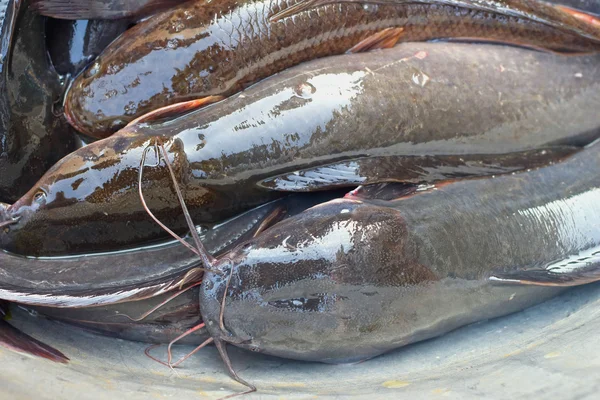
(420, 79)
(305, 90)
(370, 7)
(173, 43)
(177, 26)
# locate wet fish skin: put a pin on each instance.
(104, 278)
(32, 137)
(72, 45)
(202, 49)
(310, 116)
(172, 319)
(359, 277)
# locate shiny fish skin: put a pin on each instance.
(434, 99)
(218, 48)
(361, 277)
(102, 278)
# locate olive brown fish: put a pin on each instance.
(453, 109)
(202, 49)
(363, 275)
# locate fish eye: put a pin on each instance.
(39, 196)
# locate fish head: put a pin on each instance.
(73, 195)
(93, 105)
(125, 80)
(321, 276)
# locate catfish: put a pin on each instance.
(416, 113)
(202, 51)
(101, 279)
(385, 267)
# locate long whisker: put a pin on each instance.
(184, 334)
(147, 353)
(207, 259)
(225, 357)
(9, 222)
(162, 303)
(188, 355)
(221, 324)
(140, 190)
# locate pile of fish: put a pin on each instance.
(362, 174)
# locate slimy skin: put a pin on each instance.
(417, 113)
(208, 48)
(353, 278)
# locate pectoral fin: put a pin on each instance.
(590, 19)
(15, 340)
(385, 39)
(572, 271)
(411, 169)
(175, 110)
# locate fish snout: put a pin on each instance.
(73, 115)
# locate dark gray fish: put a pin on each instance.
(33, 134)
(417, 113)
(356, 277)
(72, 45)
(112, 277)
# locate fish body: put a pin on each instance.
(72, 45)
(32, 136)
(487, 108)
(206, 48)
(356, 277)
(103, 278)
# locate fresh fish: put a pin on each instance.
(72, 45)
(418, 113)
(356, 277)
(213, 49)
(101, 9)
(112, 277)
(32, 136)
